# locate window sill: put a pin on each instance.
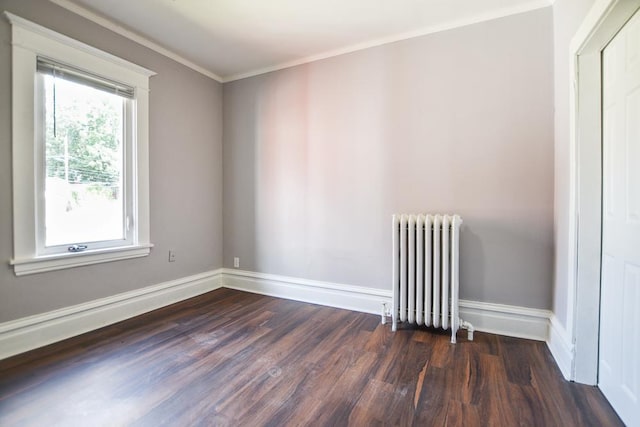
(58, 262)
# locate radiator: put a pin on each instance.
(426, 272)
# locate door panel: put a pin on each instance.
(633, 153)
(630, 349)
(619, 358)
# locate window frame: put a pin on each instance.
(127, 171)
(30, 40)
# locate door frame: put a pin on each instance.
(601, 24)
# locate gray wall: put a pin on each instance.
(318, 157)
(185, 174)
(567, 17)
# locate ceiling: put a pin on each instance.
(231, 39)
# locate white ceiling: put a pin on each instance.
(230, 39)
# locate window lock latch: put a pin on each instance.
(77, 248)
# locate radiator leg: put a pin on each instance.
(469, 327)
(384, 313)
(394, 322)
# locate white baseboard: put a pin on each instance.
(356, 298)
(500, 319)
(509, 320)
(28, 333)
(561, 347)
(31, 332)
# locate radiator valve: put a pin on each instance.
(469, 327)
(384, 313)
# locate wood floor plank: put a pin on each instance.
(374, 404)
(230, 358)
(462, 415)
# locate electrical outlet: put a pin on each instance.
(172, 256)
(236, 262)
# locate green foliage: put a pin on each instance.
(90, 123)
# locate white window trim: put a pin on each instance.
(28, 41)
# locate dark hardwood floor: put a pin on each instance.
(233, 358)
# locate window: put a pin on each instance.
(80, 153)
(83, 142)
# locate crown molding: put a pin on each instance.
(501, 13)
(118, 29)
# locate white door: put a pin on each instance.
(619, 359)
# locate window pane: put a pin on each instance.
(84, 199)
